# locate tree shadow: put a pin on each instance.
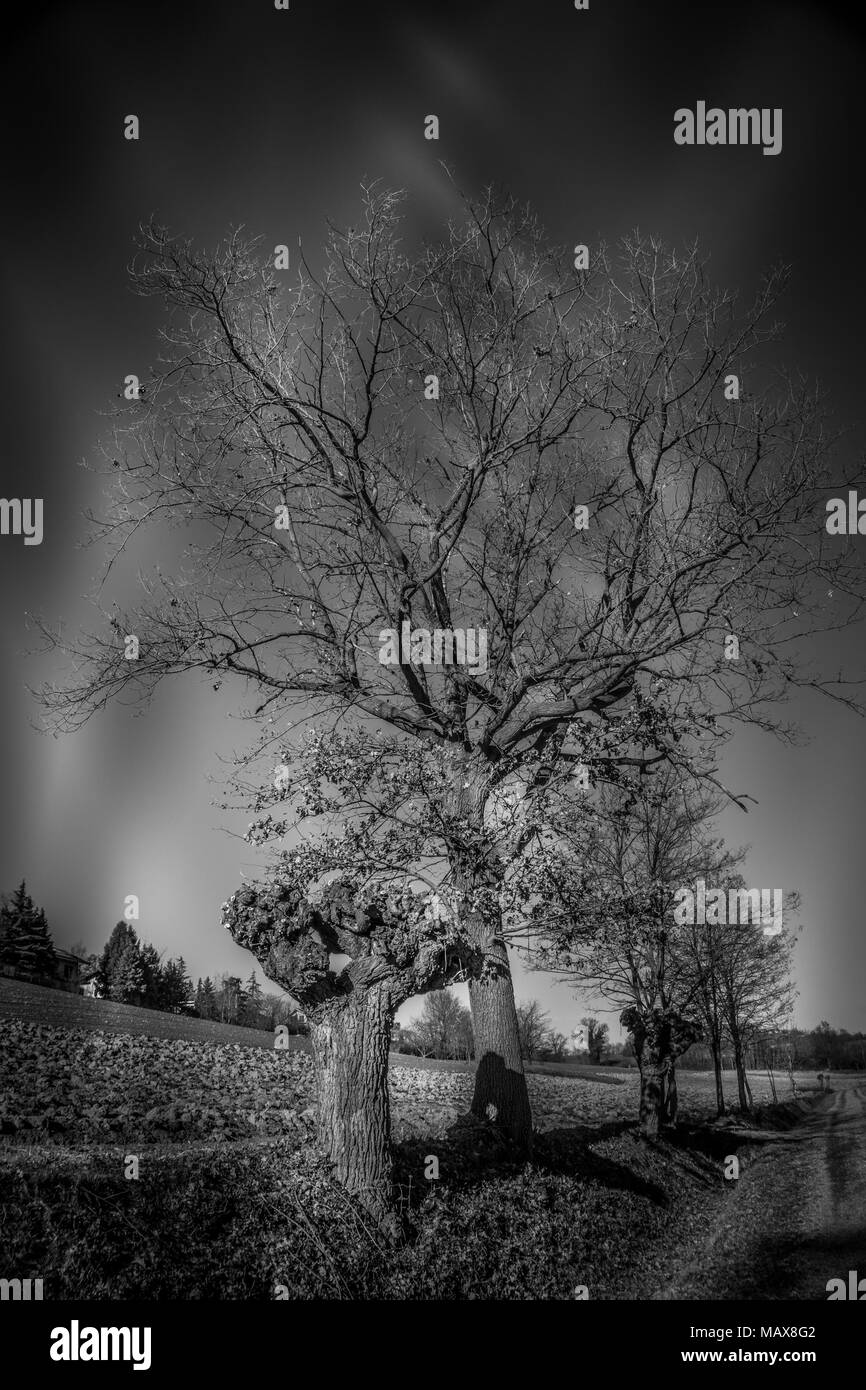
(473, 1151)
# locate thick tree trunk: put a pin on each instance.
(671, 1102)
(652, 1080)
(350, 1052)
(499, 1077)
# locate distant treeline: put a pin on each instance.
(134, 972)
(131, 971)
(822, 1048)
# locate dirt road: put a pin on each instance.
(797, 1217)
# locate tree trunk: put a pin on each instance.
(652, 1080)
(499, 1077)
(743, 1088)
(671, 1101)
(350, 1053)
(717, 1072)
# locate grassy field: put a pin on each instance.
(231, 1199)
(60, 1010)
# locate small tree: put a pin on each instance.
(250, 1014)
(122, 942)
(555, 1046)
(757, 990)
(440, 1030)
(176, 987)
(596, 1037)
(206, 998)
(533, 1026)
(608, 924)
(152, 970)
(127, 975)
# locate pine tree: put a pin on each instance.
(207, 1002)
(251, 1006)
(37, 949)
(232, 999)
(176, 987)
(127, 978)
(25, 941)
(122, 937)
(151, 964)
(12, 925)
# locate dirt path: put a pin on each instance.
(797, 1217)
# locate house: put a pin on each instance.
(67, 970)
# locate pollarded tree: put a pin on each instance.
(587, 467)
(398, 944)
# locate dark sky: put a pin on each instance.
(272, 119)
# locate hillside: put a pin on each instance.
(36, 1004)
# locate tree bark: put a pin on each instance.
(671, 1100)
(350, 1054)
(652, 1078)
(499, 1076)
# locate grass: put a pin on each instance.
(233, 1201)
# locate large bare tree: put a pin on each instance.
(409, 435)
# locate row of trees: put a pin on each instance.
(444, 1029)
(134, 972)
(477, 433)
(823, 1048)
(228, 999)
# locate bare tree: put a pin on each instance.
(533, 1025)
(608, 926)
(443, 1028)
(757, 989)
(473, 436)
(555, 1046)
